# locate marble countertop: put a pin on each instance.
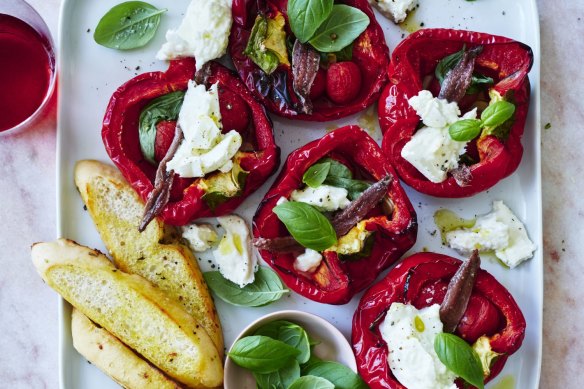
(28, 309)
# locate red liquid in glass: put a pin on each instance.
(26, 67)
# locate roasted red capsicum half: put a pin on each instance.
(389, 225)
(190, 198)
(491, 156)
(492, 318)
(346, 82)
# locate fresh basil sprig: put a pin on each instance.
(165, 107)
(265, 289)
(312, 382)
(341, 176)
(340, 375)
(327, 27)
(262, 354)
(498, 113)
(343, 26)
(316, 174)
(128, 25)
(289, 333)
(307, 225)
(494, 115)
(459, 357)
(465, 130)
(307, 15)
(280, 379)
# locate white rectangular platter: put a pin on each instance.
(90, 73)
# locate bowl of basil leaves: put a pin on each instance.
(291, 349)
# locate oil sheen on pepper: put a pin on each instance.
(25, 71)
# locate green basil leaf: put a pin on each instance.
(343, 26)
(465, 130)
(497, 113)
(459, 357)
(128, 25)
(354, 187)
(265, 289)
(165, 107)
(280, 379)
(311, 382)
(261, 354)
(340, 375)
(266, 59)
(307, 225)
(306, 16)
(289, 333)
(446, 64)
(316, 174)
(338, 169)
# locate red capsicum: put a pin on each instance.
(275, 91)
(121, 139)
(422, 280)
(335, 281)
(416, 57)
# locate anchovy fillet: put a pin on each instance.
(458, 292)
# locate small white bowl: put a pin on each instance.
(333, 345)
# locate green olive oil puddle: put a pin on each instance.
(411, 24)
(507, 382)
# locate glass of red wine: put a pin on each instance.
(27, 65)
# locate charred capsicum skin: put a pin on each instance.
(121, 139)
(336, 281)
(422, 280)
(369, 52)
(503, 59)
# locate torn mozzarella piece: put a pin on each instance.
(234, 255)
(200, 237)
(204, 148)
(308, 262)
(203, 32)
(431, 150)
(325, 197)
(394, 10)
(500, 231)
(409, 334)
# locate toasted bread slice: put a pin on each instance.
(131, 309)
(114, 358)
(156, 254)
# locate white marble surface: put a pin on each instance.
(28, 309)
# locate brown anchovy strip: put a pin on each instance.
(162, 184)
(305, 62)
(459, 292)
(462, 175)
(459, 78)
(346, 219)
(284, 244)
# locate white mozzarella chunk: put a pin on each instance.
(431, 150)
(325, 197)
(203, 32)
(500, 231)
(234, 255)
(308, 262)
(200, 237)
(204, 148)
(409, 334)
(396, 10)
